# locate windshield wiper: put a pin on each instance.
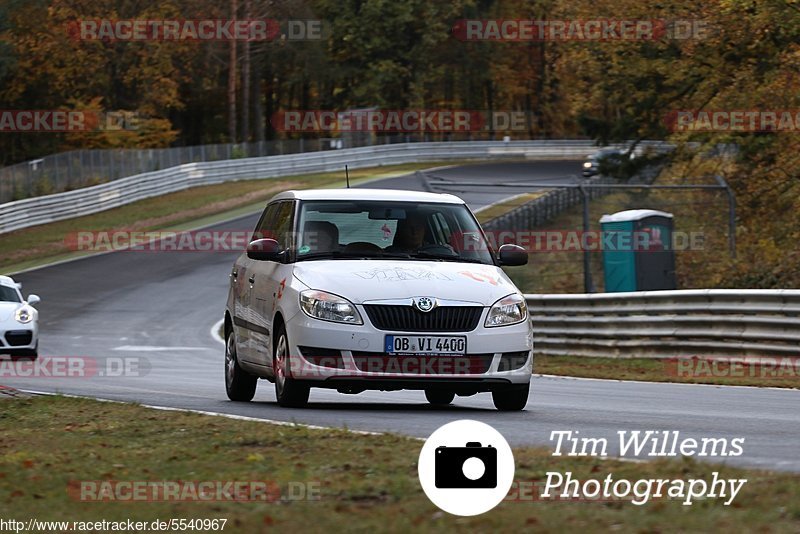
(329, 255)
(446, 257)
(401, 255)
(342, 255)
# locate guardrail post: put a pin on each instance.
(588, 285)
(731, 215)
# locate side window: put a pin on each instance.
(282, 227)
(266, 223)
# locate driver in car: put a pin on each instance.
(410, 236)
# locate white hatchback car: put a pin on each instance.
(356, 289)
(19, 321)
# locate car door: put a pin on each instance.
(267, 281)
(244, 315)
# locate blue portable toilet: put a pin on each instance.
(637, 251)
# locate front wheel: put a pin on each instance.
(289, 392)
(439, 397)
(239, 385)
(512, 399)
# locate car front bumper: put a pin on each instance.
(16, 338)
(343, 356)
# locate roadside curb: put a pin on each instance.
(7, 392)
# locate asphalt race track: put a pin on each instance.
(158, 310)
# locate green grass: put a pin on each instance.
(504, 206)
(366, 482)
(662, 370)
(190, 208)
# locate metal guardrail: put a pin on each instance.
(75, 169)
(40, 210)
(674, 324)
(543, 209)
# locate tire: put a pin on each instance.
(439, 397)
(290, 393)
(512, 399)
(239, 385)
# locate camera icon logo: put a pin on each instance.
(462, 476)
(472, 466)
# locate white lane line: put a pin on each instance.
(215, 414)
(152, 348)
(215, 331)
(507, 199)
(566, 377)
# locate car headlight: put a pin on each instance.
(329, 307)
(587, 164)
(506, 311)
(23, 315)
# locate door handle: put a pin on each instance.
(252, 279)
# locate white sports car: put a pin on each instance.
(357, 289)
(19, 321)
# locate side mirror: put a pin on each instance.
(264, 250)
(512, 255)
(33, 299)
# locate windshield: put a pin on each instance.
(9, 294)
(380, 229)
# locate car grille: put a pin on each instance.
(423, 365)
(408, 319)
(19, 338)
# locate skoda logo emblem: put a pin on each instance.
(424, 304)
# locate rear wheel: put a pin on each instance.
(239, 385)
(511, 399)
(439, 397)
(289, 392)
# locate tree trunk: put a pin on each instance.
(232, 82)
(246, 85)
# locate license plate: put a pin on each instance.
(425, 345)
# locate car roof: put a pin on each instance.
(8, 282)
(394, 195)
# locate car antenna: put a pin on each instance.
(347, 176)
